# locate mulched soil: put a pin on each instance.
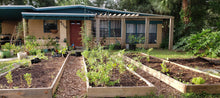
(196, 62)
(43, 73)
(161, 87)
(70, 84)
(176, 72)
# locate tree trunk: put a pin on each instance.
(185, 11)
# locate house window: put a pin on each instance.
(136, 30)
(115, 28)
(50, 25)
(104, 28)
(110, 28)
(94, 28)
(153, 34)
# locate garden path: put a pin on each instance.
(70, 84)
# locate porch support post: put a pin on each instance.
(24, 27)
(171, 33)
(147, 29)
(63, 32)
(97, 30)
(123, 33)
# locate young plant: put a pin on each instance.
(28, 79)
(198, 80)
(148, 54)
(164, 67)
(9, 79)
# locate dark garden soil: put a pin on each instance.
(70, 84)
(161, 87)
(43, 73)
(176, 72)
(197, 62)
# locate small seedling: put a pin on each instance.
(28, 79)
(164, 67)
(148, 54)
(198, 80)
(9, 79)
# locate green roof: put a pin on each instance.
(57, 16)
(13, 12)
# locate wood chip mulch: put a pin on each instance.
(70, 84)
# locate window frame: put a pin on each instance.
(136, 33)
(46, 31)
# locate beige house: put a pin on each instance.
(105, 25)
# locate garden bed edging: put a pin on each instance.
(184, 88)
(45, 92)
(119, 91)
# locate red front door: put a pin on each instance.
(75, 36)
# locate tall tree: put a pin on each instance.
(143, 6)
(74, 2)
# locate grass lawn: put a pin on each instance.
(170, 54)
(160, 53)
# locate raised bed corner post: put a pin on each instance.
(123, 33)
(171, 33)
(147, 29)
(24, 27)
(97, 30)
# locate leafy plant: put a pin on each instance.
(28, 79)
(40, 55)
(9, 79)
(164, 67)
(198, 80)
(206, 43)
(101, 64)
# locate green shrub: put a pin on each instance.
(5, 54)
(206, 43)
(198, 80)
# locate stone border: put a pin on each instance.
(119, 91)
(45, 92)
(184, 88)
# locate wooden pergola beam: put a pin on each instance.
(135, 16)
(123, 33)
(171, 33)
(147, 27)
(97, 30)
(24, 27)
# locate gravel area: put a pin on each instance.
(71, 85)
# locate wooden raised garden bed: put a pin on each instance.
(203, 64)
(124, 89)
(179, 76)
(42, 88)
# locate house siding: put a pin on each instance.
(8, 27)
(36, 28)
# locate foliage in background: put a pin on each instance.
(206, 43)
(86, 38)
(31, 44)
(36, 3)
